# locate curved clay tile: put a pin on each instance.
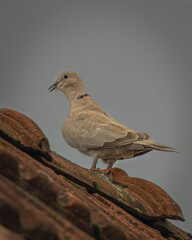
(22, 131)
(156, 201)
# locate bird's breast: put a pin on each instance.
(72, 135)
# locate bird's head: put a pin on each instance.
(70, 84)
(65, 80)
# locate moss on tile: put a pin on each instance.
(95, 185)
(176, 237)
(97, 231)
(189, 235)
(4, 144)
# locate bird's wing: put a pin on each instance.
(106, 135)
(93, 129)
(130, 140)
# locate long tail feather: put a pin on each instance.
(157, 146)
(162, 147)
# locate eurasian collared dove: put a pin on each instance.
(93, 132)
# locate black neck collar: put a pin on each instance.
(82, 96)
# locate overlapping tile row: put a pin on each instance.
(158, 202)
(72, 203)
(7, 234)
(24, 214)
(99, 183)
(23, 132)
(167, 228)
(80, 208)
(66, 201)
(138, 196)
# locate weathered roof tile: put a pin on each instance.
(23, 213)
(7, 234)
(127, 221)
(158, 203)
(22, 131)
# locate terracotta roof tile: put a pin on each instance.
(22, 132)
(7, 234)
(158, 203)
(44, 196)
(23, 213)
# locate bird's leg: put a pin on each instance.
(110, 163)
(94, 163)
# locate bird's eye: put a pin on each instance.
(66, 76)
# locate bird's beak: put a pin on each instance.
(51, 88)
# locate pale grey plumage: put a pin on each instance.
(93, 132)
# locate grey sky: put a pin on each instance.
(135, 59)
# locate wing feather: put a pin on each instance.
(93, 129)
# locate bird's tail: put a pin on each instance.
(164, 148)
(149, 143)
(161, 147)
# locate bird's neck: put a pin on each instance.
(75, 93)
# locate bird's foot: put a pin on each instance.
(95, 169)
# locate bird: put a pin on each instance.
(93, 132)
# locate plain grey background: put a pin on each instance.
(135, 58)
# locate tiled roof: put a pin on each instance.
(44, 196)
